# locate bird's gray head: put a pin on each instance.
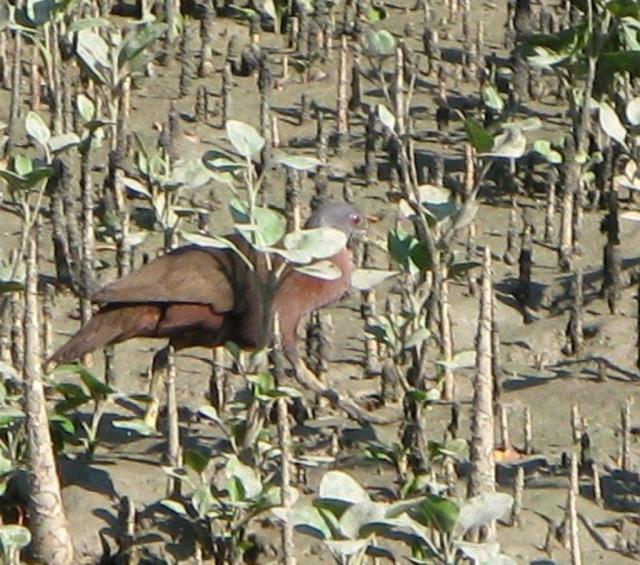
(338, 215)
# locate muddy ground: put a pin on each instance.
(538, 374)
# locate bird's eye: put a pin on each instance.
(356, 219)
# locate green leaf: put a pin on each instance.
(336, 485)
(543, 57)
(461, 360)
(179, 474)
(561, 45)
(132, 52)
(492, 99)
(304, 246)
(63, 423)
(382, 331)
(510, 144)
(22, 165)
(6, 466)
(97, 388)
(190, 173)
(417, 338)
(88, 23)
(244, 138)
(196, 459)
(632, 111)
(424, 396)
(39, 12)
(456, 448)
(487, 553)
(264, 382)
(611, 124)
(71, 391)
(202, 500)
(236, 490)
(437, 512)
(69, 404)
(36, 128)
(269, 227)
(437, 200)
(399, 244)
(359, 515)
(380, 453)
(269, 8)
(63, 141)
(459, 269)
(376, 14)
(9, 415)
(93, 125)
(324, 270)
(163, 210)
(421, 257)
(289, 392)
(624, 8)
(217, 161)
(618, 62)
(343, 549)
(10, 281)
(86, 107)
(379, 43)
(629, 29)
(298, 162)
(247, 477)
(308, 519)
(312, 460)
(136, 186)
(175, 506)
(386, 117)
(210, 413)
(479, 137)
(479, 510)
(543, 147)
(135, 425)
(272, 497)
(35, 176)
(14, 537)
(206, 240)
(93, 53)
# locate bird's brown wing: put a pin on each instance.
(187, 275)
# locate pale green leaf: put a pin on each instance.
(244, 138)
(14, 537)
(324, 270)
(480, 510)
(611, 124)
(366, 279)
(36, 128)
(339, 486)
(386, 117)
(298, 162)
(63, 141)
(633, 111)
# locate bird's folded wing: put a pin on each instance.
(188, 275)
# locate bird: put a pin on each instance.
(200, 296)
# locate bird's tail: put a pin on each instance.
(109, 325)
